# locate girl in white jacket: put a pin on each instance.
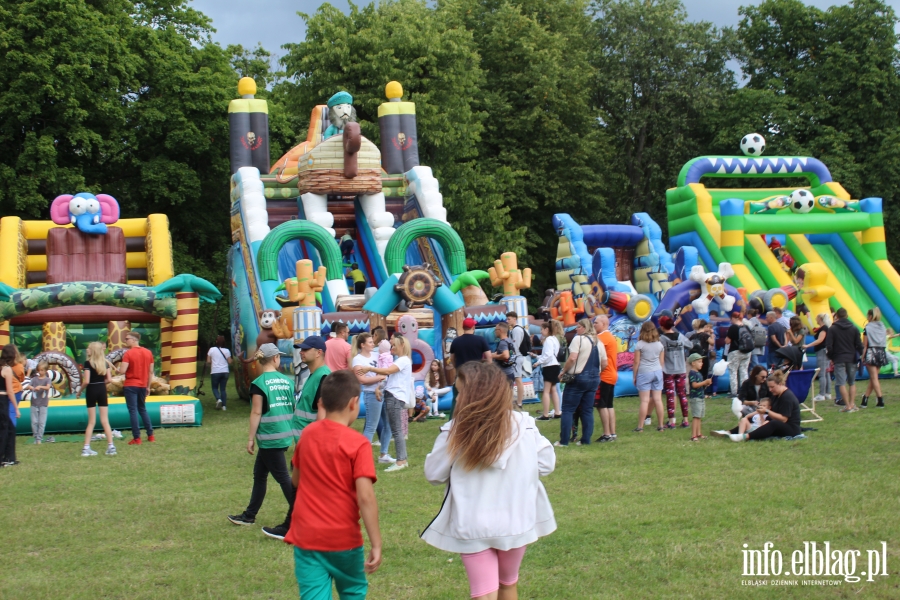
(486, 452)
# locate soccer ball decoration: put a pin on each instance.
(802, 201)
(753, 144)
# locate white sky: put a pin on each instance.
(275, 22)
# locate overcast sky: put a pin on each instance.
(275, 22)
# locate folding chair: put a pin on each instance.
(800, 382)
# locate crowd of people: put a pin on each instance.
(19, 374)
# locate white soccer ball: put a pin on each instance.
(802, 201)
(753, 144)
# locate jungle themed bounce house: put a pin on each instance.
(84, 276)
(299, 223)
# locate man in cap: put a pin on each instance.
(340, 112)
(312, 352)
(271, 409)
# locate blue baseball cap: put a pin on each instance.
(313, 341)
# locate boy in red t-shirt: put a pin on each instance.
(334, 475)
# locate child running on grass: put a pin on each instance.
(489, 451)
(698, 397)
(334, 475)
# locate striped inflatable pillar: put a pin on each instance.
(307, 322)
(165, 346)
(516, 304)
(731, 212)
(873, 237)
(4, 333)
(183, 366)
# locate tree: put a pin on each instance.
(539, 125)
(833, 80)
(438, 67)
(658, 82)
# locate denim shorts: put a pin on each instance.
(844, 373)
(652, 381)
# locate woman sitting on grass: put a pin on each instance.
(489, 451)
(783, 417)
(753, 390)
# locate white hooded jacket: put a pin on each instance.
(504, 506)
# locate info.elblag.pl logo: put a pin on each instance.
(813, 560)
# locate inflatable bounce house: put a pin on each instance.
(807, 250)
(87, 276)
(338, 204)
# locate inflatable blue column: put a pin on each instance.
(516, 304)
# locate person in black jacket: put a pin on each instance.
(784, 416)
(753, 390)
(843, 348)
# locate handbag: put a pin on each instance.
(569, 376)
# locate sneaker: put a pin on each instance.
(544, 419)
(828, 397)
(818, 398)
(441, 416)
(278, 532)
(88, 452)
(672, 426)
(578, 443)
(387, 459)
(685, 424)
(603, 438)
(558, 445)
(241, 519)
(839, 402)
(12, 463)
(880, 403)
(98, 436)
(552, 414)
(224, 409)
(720, 433)
(557, 416)
(865, 402)
(51, 439)
(736, 437)
(151, 438)
(613, 437)
(135, 442)
(376, 444)
(647, 421)
(218, 405)
(117, 434)
(111, 451)
(396, 467)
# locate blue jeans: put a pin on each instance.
(578, 396)
(219, 382)
(134, 400)
(373, 414)
(383, 428)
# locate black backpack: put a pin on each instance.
(525, 345)
(745, 340)
(563, 353)
(697, 345)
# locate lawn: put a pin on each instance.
(652, 515)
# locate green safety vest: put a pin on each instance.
(274, 429)
(304, 414)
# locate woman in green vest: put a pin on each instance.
(271, 413)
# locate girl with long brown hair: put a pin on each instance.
(489, 451)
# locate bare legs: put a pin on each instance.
(92, 420)
(874, 383)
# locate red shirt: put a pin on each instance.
(330, 458)
(337, 354)
(139, 360)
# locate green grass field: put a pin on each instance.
(649, 516)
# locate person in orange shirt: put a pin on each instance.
(608, 378)
(334, 474)
(337, 349)
(137, 366)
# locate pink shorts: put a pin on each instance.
(490, 568)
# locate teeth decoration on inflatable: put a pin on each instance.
(380, 221)
(425, 188)
(249, 188)
(315, 209)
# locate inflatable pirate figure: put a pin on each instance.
(340, 112)
(712, 287)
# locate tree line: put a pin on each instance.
(525, 107)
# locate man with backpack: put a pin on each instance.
(740, 347)
(760, 336)
(521, 346)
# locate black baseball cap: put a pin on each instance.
(313, 341)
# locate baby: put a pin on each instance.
(757, 419)
(385, 359)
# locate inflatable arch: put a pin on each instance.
(455, 252)
(318, 236)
